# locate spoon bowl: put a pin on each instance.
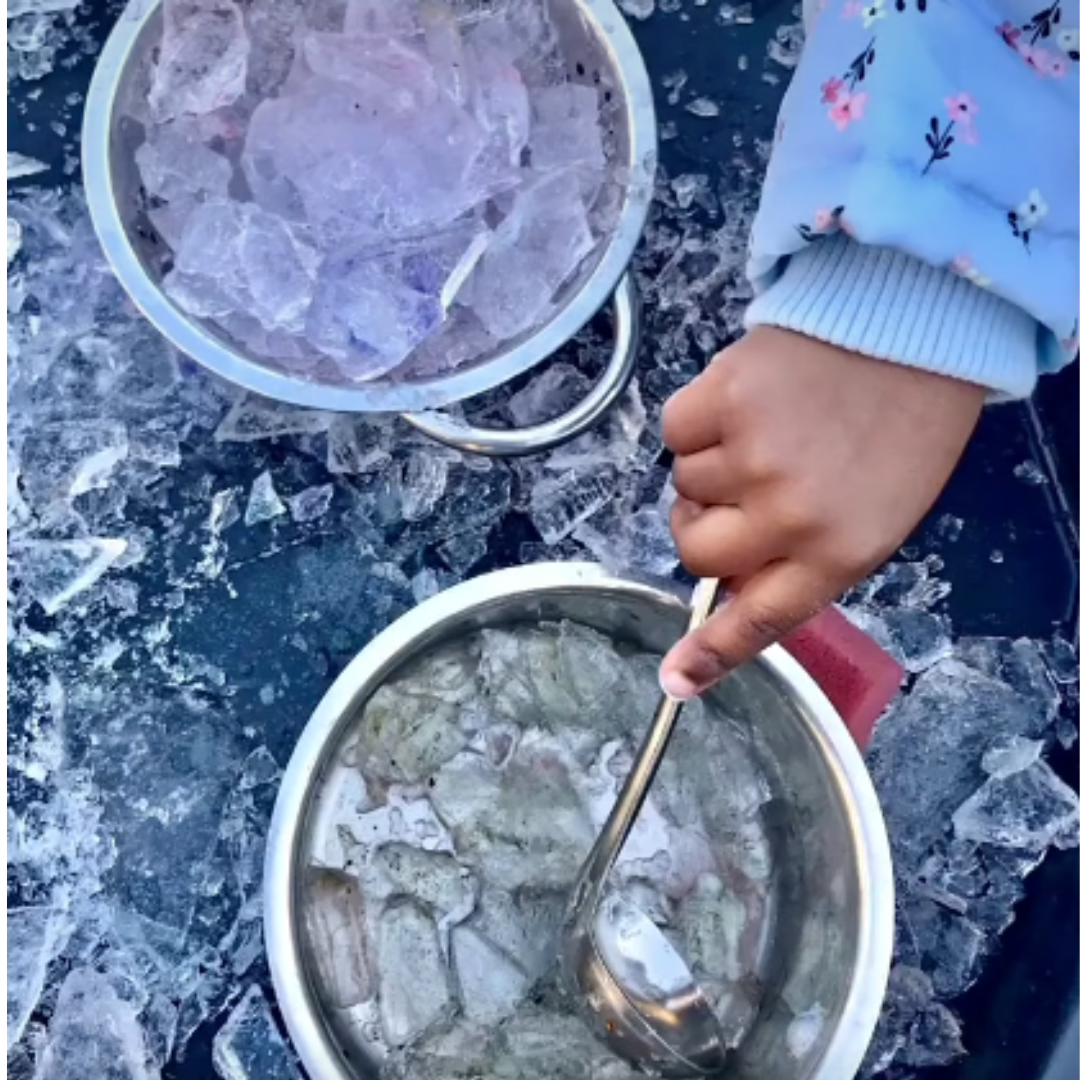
(639, 995)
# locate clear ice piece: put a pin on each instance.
(311, 503)
(63, 459)
(491, 984)
(93, 1032)
(434, 878)
(253, 418)
(32, 939)
(551, 393)
(926, 755)
(566, 133)
(559, 504)
(177, 167)
(414, 989)
(249, 1045)
(413, 726)
(55, 571)
(372, 310)
(264, 503)
(532, 253)
(1026, 810)
(203, 61)
(336, 926)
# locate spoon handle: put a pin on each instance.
(636, 786)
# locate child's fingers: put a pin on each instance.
(689, 420)
(767, 608)
(718, 541)
(707, 477)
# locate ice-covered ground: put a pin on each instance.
(189, 568)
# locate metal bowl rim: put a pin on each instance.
(191, 339)
(858, 1017)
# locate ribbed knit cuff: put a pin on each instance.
(886, 304)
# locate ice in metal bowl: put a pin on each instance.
(443, 796)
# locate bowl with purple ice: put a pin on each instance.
(444, 794)
(376, 205)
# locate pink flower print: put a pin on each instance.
(1041, 60)
(824, 221)
(852, 10)
(1057, 68)
(962, 108)
(831, 89)
(848, 107)
(1009, 34)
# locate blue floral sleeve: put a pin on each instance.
(922, 201)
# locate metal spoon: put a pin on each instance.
(634, 989)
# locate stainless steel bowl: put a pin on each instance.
(832, 922)
(594, 39)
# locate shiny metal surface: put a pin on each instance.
(593, 35)
(676, 1035)
(832, 926)
(604, 394)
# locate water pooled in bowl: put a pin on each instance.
(455, 821)
(372, 186)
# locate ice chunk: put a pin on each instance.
(1019, 663)
(566, 131)
(380, 69)
(559, 504)
(638, 9)
(1027, 809)
(413, 726)
(462, 552)
(252, 418)
(14, 239)
(93, 1032)
(556, 1048)
(177, 167)
(918, 639)
(945, 944)
(203, 61)
(311, 503)
(234, 258)
(551, 393)
(263, 502)
(405, 819)
(414, 990)
(640, 542)
(19, 165)
(490, 983)
(925, 757)
(523, 925)
(337, 932)
(1060, 657)
(423, 484)
(913, 1028)
(63, 459)
(532, 253)
(431, 877)
(250, 1047)
(54, 571)
(379, 17)
(33, 935)
(1010, 756)
(517, 847)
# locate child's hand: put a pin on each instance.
(800, 467)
